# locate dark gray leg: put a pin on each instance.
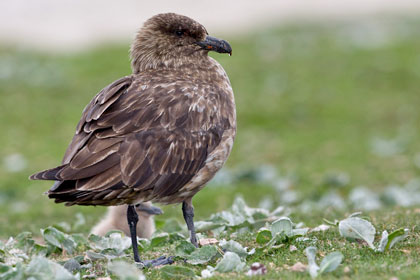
(188, 212)
(132, 219)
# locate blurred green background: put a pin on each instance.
(322, 109)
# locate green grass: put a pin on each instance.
(310, 99)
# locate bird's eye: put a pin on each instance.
(179, 33)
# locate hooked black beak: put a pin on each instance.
(151, 210)
(214, 44)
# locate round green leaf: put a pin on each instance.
(176, 272)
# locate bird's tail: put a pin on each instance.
(49, 174)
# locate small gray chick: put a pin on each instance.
(115, 219)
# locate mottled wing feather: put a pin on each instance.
(168, 159)
(103, 100)
(49, 174)
(72, 173)
(108, 178)
(100, 103)
(87, 157)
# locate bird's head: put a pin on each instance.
(171, 40)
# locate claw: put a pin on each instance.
(162, 260)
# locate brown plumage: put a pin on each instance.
(159, 134)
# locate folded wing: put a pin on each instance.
(135, 139)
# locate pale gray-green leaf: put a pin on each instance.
(184, 249)
(230, 262)
(313, 268)
(383, 242)
(159, 239)
(116, 241)
(80, 239)
(235, 247)
(42, 268)
(25, 242)
(95, 256)
(52, 236)
(202, 255)
(59, 239)
(143, 243)
(355, 214)
(202, 226)
(72, 265)
(176, 272)
(208, 272)
(357, 228)
(300, 231)
(175, 236)
(330, 262)
(282, 225)
(126, 271)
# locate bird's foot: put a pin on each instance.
(194, 241)
(156, 262)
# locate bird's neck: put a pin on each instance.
(147, 61)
